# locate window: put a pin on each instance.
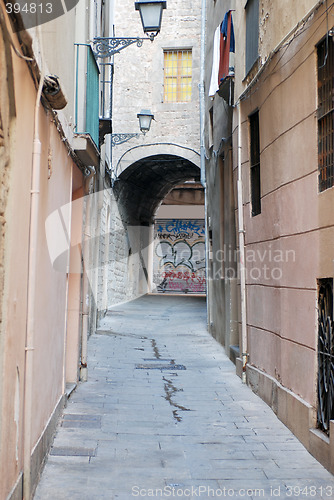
(255, 178)
(325, 114)
(325, 354)
(252, 33)
(178, 75)
(211, 127)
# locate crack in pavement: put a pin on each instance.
(170, 390)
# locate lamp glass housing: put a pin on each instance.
(151, 14)
(145, 119)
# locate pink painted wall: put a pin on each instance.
(290, 244)
(51, 289)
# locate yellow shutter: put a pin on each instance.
(178, 75)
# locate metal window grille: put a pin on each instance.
(326, 114)
(177, 75)
(252, 33)
(255, 173)
(325, 354)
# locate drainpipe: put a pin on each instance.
(84, 327)
(85, 283)
(202, 143)
(241, 232)
(202, 94)
(31, 289)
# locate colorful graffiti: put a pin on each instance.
(179, 226)
(179, 256)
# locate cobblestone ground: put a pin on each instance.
(163, 415)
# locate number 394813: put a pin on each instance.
(29, 8)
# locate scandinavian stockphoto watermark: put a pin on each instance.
(265, 263)
(134, 248)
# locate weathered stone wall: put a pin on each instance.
(138, 80)
(123, 250)
(117, 256)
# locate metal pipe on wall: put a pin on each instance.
(31, 287)
(241, 232)
(83, 375)
(202, 150)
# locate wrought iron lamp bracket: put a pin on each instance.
(107, 47)
(120, 138)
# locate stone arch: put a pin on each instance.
(137, 153)
(143, 184)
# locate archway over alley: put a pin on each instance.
(143, 185)
(157, 262)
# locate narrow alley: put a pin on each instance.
(163, 414)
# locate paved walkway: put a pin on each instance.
(163, 415)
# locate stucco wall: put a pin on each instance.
(290, 244)
(48, 355)
(7, 116)
(276, 19)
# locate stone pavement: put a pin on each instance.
(163, 415)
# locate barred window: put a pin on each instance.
(325, 114)
(325, 354)
(255, 173)
(177, 75)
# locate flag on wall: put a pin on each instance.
(223, 53)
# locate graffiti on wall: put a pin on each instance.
(179, 256)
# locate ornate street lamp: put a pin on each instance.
(151, 15)
(145, 118)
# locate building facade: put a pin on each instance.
(274, 159)
(161, 76)
(49, 152)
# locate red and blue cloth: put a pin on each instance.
(223, 47)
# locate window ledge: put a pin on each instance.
(86, 150)
(252, 72)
